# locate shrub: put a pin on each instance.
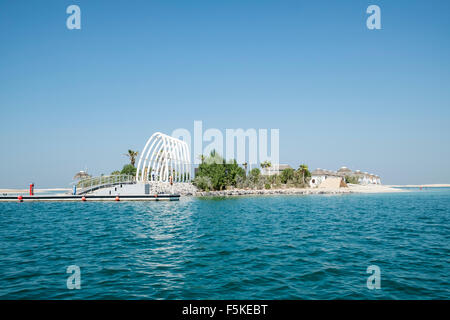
(221, 174)
(351, 179)
(286, 175)
(203, 183)
(129, 169)
(255, 173)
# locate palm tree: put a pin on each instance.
(132, 155)
(266, 164)
(245, 164)
(303, 168)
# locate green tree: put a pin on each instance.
(254, 177)
(220, 173)
(132, 156)
(274, 179)
(266, 164)
(255, 173)
(351, 179)
(129, 169)
(214, 168)
(287, 175)
(304, 172)
(232, 171)
(115, 173)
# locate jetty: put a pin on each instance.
(87, 198)
(163, 171)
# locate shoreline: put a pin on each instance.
(435, 185)
(352, 189)
(284, 191)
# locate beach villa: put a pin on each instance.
(318, 176)
(366, 178)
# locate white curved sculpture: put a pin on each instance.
(163, 157)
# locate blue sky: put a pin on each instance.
(374, 100)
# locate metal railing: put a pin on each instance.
(94, 183)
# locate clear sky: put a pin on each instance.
(341, 94)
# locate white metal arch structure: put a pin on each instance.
(162, 157)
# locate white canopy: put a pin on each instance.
(163, 157)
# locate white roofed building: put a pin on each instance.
(320, 175)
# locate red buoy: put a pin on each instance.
(20, 198)
(117, 198)
(83, 198)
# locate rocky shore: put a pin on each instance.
(188, 189)
(240, 192)
(298, 191)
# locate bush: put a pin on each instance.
(129, 169)
(287, 175)
(220, 173)
(351, 179)
(255, 173)
(241, 182)
(203, 183)
(214, 173)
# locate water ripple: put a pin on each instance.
(275, 247)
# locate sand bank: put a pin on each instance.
(435, 185)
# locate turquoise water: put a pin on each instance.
(273, 247)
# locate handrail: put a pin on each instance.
(89, 184)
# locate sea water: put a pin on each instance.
(260, 247)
